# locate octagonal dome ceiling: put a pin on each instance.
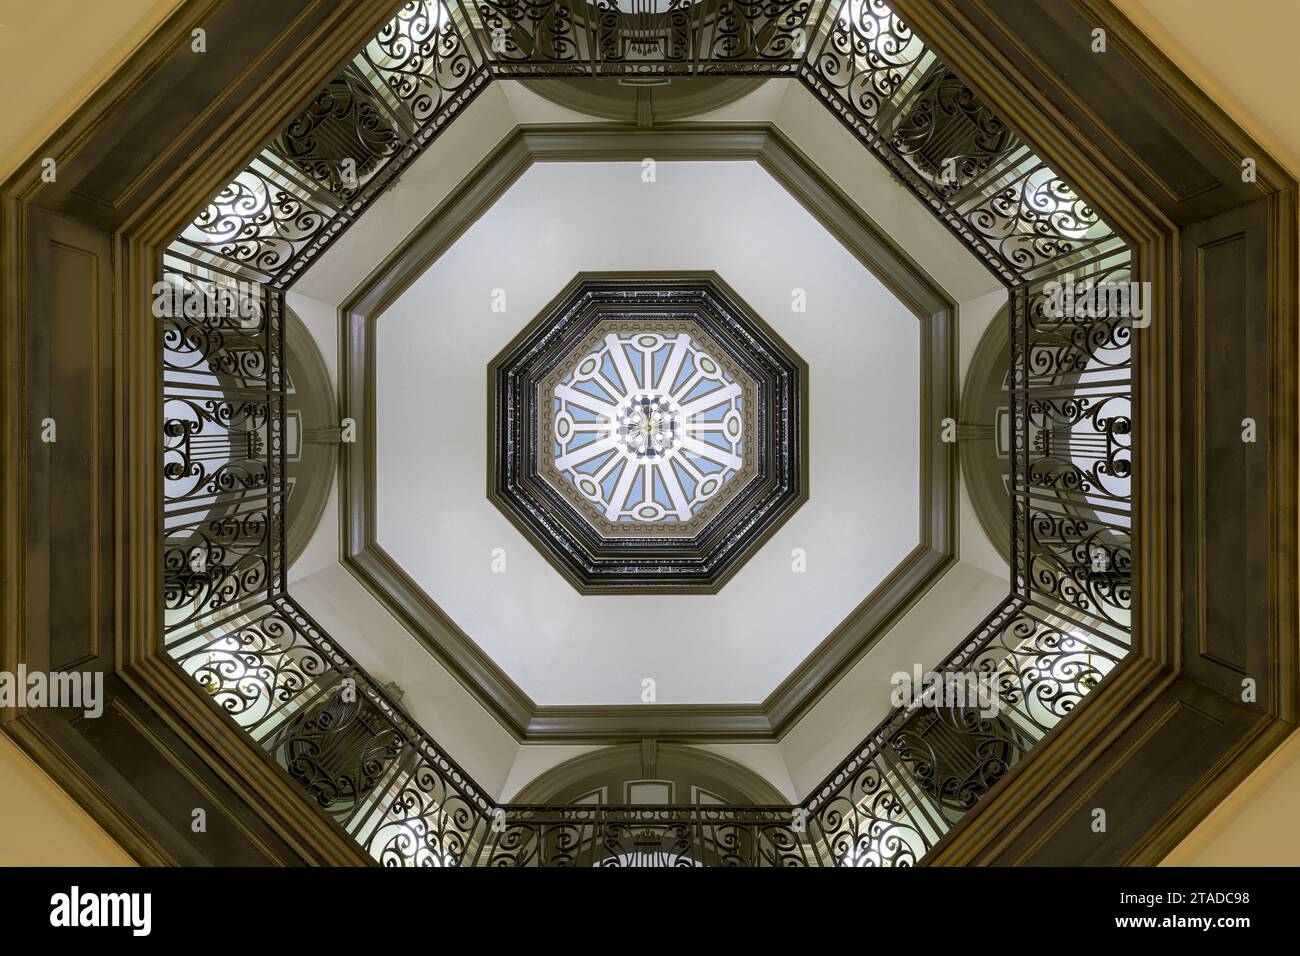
(648, 430)
(449, 561)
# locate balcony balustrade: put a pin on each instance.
(292, 689)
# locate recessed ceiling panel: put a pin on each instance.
(777, 283)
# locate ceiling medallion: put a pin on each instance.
(647, 428)
(648, 432)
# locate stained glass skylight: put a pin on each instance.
(649, 427)
(648, 431)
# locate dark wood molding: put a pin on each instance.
(861, 628)
(1141, 117)
(79, 257)
(1163, 163)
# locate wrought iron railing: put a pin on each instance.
(231, 626)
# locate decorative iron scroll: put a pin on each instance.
(642, 37)
(948, 134)
(641, 836)
(331, 730)
(339, 749)
(349, 144)
(342, 138)
(956, 755)
(296, 693)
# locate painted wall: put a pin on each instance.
(56, 52)
(850, 710)
(433, 519)
(973, 320)
(322, 549)
(1256, 824)
(40, 825)
(387, 652)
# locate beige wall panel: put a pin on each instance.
(57, 52)
(40, 825)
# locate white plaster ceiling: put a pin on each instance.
(433, 516)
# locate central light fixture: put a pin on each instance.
(648, 426)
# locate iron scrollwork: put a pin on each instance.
(271, 670)
(341, 138)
